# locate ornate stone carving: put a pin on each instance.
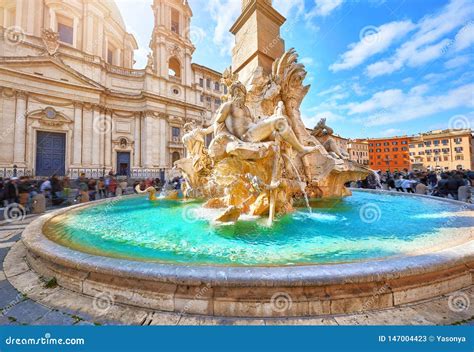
(257, 161)
(50, 40)
(175, 50)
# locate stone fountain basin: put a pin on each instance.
(231, 291)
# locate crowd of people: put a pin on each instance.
(25, 190)
(455, 185)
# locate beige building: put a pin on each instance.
(358, 150)
(442, 150)
(71, 102)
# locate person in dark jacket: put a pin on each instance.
(11, 191)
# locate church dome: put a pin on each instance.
(115, 13)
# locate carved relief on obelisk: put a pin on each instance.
(257, 38)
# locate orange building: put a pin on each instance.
(389, 153)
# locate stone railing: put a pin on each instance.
(124, 71)
(148, 173)
(74, 173)
(8, 172)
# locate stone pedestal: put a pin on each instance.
(257, 39)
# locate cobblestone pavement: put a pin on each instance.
(16, 308)
(41, 302)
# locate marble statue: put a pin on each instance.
(262, 158)
(323, 133)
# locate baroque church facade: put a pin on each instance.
(71, 102)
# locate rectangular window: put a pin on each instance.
(202, 98)
(66, 30)
(110, 56)
(395, 149)
(217, 102)
(394, 143)
(176, 132)
(217, 86)
(201, 82)
(175, 21)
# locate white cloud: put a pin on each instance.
(323, 8)
(223, 14)
(465, 37)
(308, 61)
(390, 132)
(457, 62)
(374, 43)
(311, 121)
(331, 90)
(286, 7)
(420, 48)
(395, 106)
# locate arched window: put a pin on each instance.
(174, 68)
(175, 157)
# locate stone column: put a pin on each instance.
(108, 138)
(20, 129)
(145, 140)
(103, 133)
(137, 146)
(164, 140)
(77, 135)
(87, 135)
(96, 132)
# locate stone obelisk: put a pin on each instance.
(257, 38)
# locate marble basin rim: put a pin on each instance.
(449, 269)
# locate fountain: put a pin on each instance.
(242, 237)
(274, 148)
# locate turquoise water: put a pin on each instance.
(351, 229)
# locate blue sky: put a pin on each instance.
(376, 67)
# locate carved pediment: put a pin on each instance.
(49, 117)
(49, 68)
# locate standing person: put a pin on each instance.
(23, 191)
(406, 184)
(3, 198)
(112, 187)
(56, 190)
(101, 188)
(66, 185)
(83, 188)
(398, 183)
(91, 187)
(11, 191)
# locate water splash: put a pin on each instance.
(303, 189)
